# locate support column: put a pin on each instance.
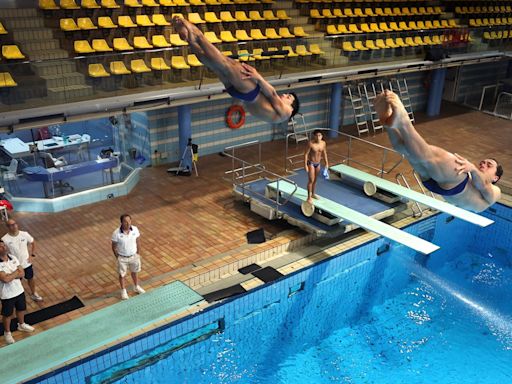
(335, 108)
(435, 96)
(185, 133)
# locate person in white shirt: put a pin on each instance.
(22, 246)
(126, 248)
(12, 293)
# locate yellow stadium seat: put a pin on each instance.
(412, 26)
(121, 44)
(365, 28)
(3, 31)
(6, 80)
(227, 37)
(101, 45)
(132, 4)
(338, 13)
(406, 12)
(403, 26)
(48, 5)
(167, 3)
(176, 40)
(143, 21)
(196, 2)
(375, 28)
(227, 53)
(12, 52)
(257, 53)
(299, 32)
(241, 16)
(420, 24)
(89, 4)
(83, 46)
(212, 37)
(180, 3)
(118, 68)
(384, 27)
(180, 15)
(271, 33)
(342, 29)
(302, 51)
(347, 47)
(400, 42)
(379, 12)
(436, 40)
(159, 64)
(315, 14)
(388, 12)
(257, 35)
(315, 49)
(68, 4)
(141, 42)
(381, 44)
(269, 15)
(285, 33)
(291, 53)
(178, 62)
(255, 16)
(370, 44)
(212, 2)
(359, 46)
(106, 22)
(150, 3)
(244, 55)
(193, 61)
(126, 22)
(358, 12)
(109, 4)
(428, 24)
(277, 55)
(353, 28)
(394, 26)
(347, 12)
(241, 34)
(97, 70)
(437, 24)
(410, 42)
(281, 15)
(139, 66)
(327, 14)
(369, 12)
(68, 25)
(159, 41)
(226, 17)
(211, 17)
(428, 40)
(85, 23)
(160, 20)
(417, 40)
(391, 43)
(422, 11)
(195, 18)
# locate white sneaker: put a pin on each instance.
(36, 297)
(25, 327)
(8, 338)
(139, 289)
(124, 294)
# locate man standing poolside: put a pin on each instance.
(12, 293)
(241, 80)
(316, 150)
(126, 248)
(459, 181)
(22, 246)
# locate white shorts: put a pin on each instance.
(132, 263)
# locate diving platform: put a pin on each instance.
(298, 195)
(350, 172)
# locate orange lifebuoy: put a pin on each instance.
(231, 113)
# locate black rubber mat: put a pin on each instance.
(224, 293)
(249, 269)
(47, 313)
(267, 274)
(256, 237)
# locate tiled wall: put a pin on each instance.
(473, 77)
(210, 132)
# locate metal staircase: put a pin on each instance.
(370, 92)
(355, 92)
(400, 87)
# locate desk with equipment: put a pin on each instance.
(17, 148)
(55, 175)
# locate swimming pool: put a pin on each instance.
(379, 313)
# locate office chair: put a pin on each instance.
(51, 162)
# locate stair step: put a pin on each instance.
(33, 46)
(70, 93)
(48, 55)
(14, 24)
(64, 80)
(49, 69)
(36, 34)
(19, 12)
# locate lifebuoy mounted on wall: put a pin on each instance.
(235, 116)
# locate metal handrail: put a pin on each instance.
(400, 176)
(380, 171)
(261, 170)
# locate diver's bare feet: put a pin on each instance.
(399, 116)
(179, 26)
(383, 108)
(309, 200)
(315, 197)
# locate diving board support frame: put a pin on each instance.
(412, 195)
(299, 195)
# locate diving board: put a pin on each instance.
(413, 195)
(357, 218)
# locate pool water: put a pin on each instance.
(366, 316)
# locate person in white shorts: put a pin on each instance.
(22, 246)
(126, 248)
(12, 293)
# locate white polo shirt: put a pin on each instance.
(17, 246)
(126, 243)
(13, 288)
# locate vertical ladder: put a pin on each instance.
(371, 92)
(299, 133)
(360, 116)
(403, 91)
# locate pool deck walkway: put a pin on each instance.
(191, 227)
